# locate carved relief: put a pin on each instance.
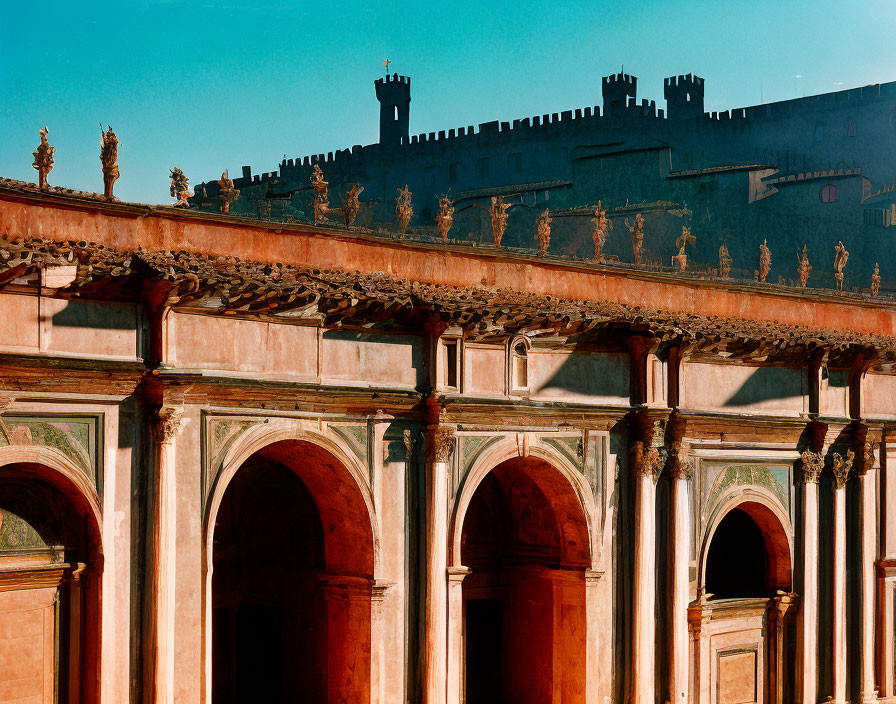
(75, 437)
(498, 215)
(43, 159)
(765, 261)
(408, 445)
(685, 239)
(841, 467)
(445, 217)
(403, 209)
(725, 261)
(637, 232)
(167, 423)
(352, 205)
(321, 204)
(875, 280)
(602, 225)
(440, 444)
(812, 463)
(841, 256)
(543, 235)
(804, 268)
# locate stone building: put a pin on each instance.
(248, 461)
(813, 170)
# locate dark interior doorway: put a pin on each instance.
(737, 563)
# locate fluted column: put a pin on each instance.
(648, 462)
(868, 521)
(841, 469)
(679, 544)
(807, 624)
(440, 442)
(165, 427)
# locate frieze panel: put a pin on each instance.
(76, 437)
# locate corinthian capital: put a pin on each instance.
(649, 461)
(167, 423)
(813, 463)
(440, 444)
(841, 467)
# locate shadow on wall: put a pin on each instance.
(105, 316)
(767, 384)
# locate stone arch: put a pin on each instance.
(772, 520)
(337, 483)
(580, 499)
(76, 586)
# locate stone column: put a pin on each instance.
(698, 620)
(868, 522)
(679, 546)
(161, 620)
(807, 624)
(456, 634)
(378, 655)
(440, 442)
(648, 462)
(778, 611)
(593, 640)
(885, 631)
(841, 469)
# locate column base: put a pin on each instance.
(870, 698)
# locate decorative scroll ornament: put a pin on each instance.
(804, 268)
(841, 256)
(321, 202)
(543, 234)
(682, 242)
(765, 261)
(408, 445)
(43, 159)
(228, 193)
(441, 444)
(498, 215)
(109, 159)
(445, 217)
(725, 261)
(352, 205)
(637, 231)
(813, 463)
(180, 188)
(167, 423)
(875, 280)
(841, 467)
(602, 225)
(403, 209)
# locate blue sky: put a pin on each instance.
(215, 84)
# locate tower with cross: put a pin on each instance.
(394, 94)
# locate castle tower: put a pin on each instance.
(616, 90)
(684, 97)
(394, 94)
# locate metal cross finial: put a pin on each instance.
(386, 64)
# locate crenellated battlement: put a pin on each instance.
(616, 90)
(684, 96)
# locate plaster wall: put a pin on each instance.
(879, 396)
(52, 325)
(579, 377)
(485, 370)
(742, 389)
(834, 398)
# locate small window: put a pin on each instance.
(519, 365)
(395, 113)
(450, 364)
(851, 128)
(828, 193)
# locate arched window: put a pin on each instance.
(851, 128)
(395, 113)
(828, 193)
(519, 365)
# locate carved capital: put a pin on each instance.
(680, 463)
(167, 423)
(812, 463)
(649, 461)
(408, 445)
(841, 467)
(865, 462)
(440, 444)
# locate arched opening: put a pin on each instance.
(525, 539)
(50, 567)
(292, 573)
(748, 556)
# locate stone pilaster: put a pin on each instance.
(841, 468)
(680, 468)
(807, 624)
(456, 634)
(866, 477)
(440, 444)
(165, 426)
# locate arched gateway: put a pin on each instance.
(523, 534)
(51, 564)
(292, 567)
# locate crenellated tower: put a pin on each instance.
(684, 97)
(616, 90)
(394, 94)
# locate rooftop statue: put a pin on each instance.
(403, 208)
(841, 256)
(352, 205)
(804, 268)
(228, 193)
(602, 224)
(725, 261)
(321, 203)
(765, 261)
(180, 188)
(875, 280)
(637, 231)
(445, 217)
(544, 231)
(43, 159)
(498, 215)
(109, 159)
(685, 239)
